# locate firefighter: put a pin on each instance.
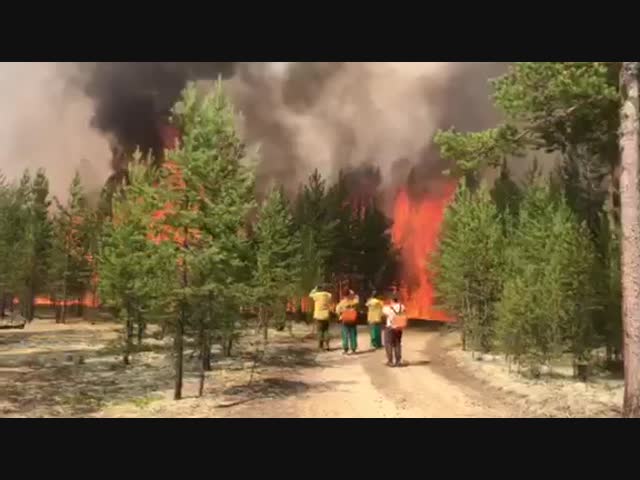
(348, 314)
(374, 318)
(392, 332)
(321, 315)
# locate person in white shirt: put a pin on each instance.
(393, 336)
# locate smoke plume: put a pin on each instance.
(303, 116)
(46, 124)
(351, 115)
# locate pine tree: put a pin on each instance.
(571, 108)
(468, 265)
(75, 237)
(5, 246)
(135, 273)
(630, 239)
(278, 265)
(317, 227)
(375, 257)
(548, 298)
(506, 194)
(208, 192)
(312, 260)
(29, 239)
(41, 237)
(17, 238)
(343, 256)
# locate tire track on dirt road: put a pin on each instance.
(431, 386)
(361, 386)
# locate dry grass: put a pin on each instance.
(76, 370)
(555, 394)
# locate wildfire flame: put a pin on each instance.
(89, 301)
(162, 233)
(415, 232)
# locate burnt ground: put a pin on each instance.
(75, 370)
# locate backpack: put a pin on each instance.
(400, 320)
(349, 316)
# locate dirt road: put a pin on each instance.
(362, 386)
(76, 371)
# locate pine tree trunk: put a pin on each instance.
(630, 219)
(28, 303)
(178, 348)
(464, 340)
(182, 320)
(141, 328)
(228, 346)
(203, 357)
(128, 343)
(207, 353)
(265, 328)
(63, 310)
(2, 304)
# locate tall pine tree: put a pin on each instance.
(468, 265)
(548, 298)
(135, 273)
(207, 190)
(279, 258)
(74, 241)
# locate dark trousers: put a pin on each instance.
(323, 333)
(393, 345)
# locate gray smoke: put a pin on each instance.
(45, 123)
(350, 115)
(303, 116)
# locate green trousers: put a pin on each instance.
(349, 337)
(376, 335)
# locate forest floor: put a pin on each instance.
(75, 370)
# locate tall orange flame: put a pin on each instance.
(415, 233)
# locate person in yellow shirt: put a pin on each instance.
(374, 318)
(347, 311)
(321, 315)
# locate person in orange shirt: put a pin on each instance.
(348, 313)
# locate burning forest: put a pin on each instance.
(383, 214)
(199, 200)
(416, 227)
(304, 118)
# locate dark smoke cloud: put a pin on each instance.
(303, 116)
(353, 115)
(330, 115)
(132, 97)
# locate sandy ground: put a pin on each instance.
(76, 371)
(555, 394)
